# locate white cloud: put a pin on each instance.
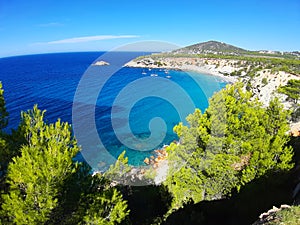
(86, 39)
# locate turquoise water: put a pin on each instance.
(128, 99)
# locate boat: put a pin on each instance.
(144, 73)
(168, 76)
(153, 75)
(166, 71)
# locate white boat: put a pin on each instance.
(168, 76)
(153, 75)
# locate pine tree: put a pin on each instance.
(37, 176)
(119, 172)
(292, 90)
(233, 142)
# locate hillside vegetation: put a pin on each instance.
(221, 48)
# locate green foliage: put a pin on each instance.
(286, 216)
(100, 204)
(236, 73)
(249, 86)
(47, 187)
(233, 142)
(158, 63)
(264, 81)
(286, 64)
(289, 216)
(292, 90)
(119, 171)
(36, 177)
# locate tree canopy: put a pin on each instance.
(292, 90)
(233, 142)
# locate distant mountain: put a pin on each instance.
(221, 48)
(213, 47)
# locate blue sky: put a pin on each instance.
(41, 26)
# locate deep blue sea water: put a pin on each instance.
(51, 80)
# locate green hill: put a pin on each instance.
(221, 48)
(214, 47)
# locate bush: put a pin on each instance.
(264, 81)
(296, 115)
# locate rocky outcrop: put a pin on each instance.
(101, 63)
(271, 217)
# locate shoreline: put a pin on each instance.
(202, 70)
(229, 79)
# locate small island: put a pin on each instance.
(101, 63)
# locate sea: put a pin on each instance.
(112, 108)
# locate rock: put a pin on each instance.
(285, 206)
(273, 210)
(270, 216)
(101, 63)
(147, 161)
(95, 173)
(261, 216)
(140, 176)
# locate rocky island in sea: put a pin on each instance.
(101, 63)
